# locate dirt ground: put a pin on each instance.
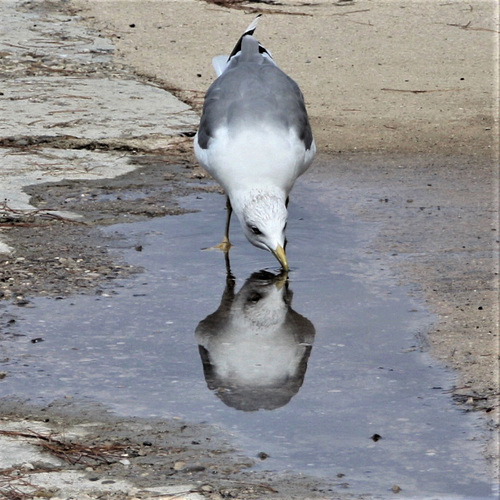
(125, 459)
(403, 99)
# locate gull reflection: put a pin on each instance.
(255, 347)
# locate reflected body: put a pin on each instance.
(255, 347)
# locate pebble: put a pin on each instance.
(179, 465)
(194, 468)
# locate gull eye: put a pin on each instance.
(254, 297)
(255, 230)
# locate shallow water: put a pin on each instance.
(325, 374)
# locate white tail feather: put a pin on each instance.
(219, 63)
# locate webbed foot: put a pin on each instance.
(225, 245)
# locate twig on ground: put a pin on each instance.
(12, 217)
(418, 91)
(470, 28)
(71, 452)
(244, 5)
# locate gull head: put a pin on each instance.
(263, 218)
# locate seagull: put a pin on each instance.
(255, 139)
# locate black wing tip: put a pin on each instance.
(249, 32)
(251, 29)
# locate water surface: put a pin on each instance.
(324, 373)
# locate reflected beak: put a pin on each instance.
(281, 280)
(279, 253)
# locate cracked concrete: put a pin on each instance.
(62, 90)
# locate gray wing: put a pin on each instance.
(254, 91)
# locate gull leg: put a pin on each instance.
(225, 244)
(286, 206)
(229, 210)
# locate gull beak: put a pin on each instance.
(279, 253)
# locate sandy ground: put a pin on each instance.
(403, 99)
(406, 77)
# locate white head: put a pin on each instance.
(263, 218)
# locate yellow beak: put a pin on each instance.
(279, 253)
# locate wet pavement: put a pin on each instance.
(334, 383)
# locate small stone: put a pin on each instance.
(396, 489)
(179, 465)
(194, 468)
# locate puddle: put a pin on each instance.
(324, 375)
(122, 195)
